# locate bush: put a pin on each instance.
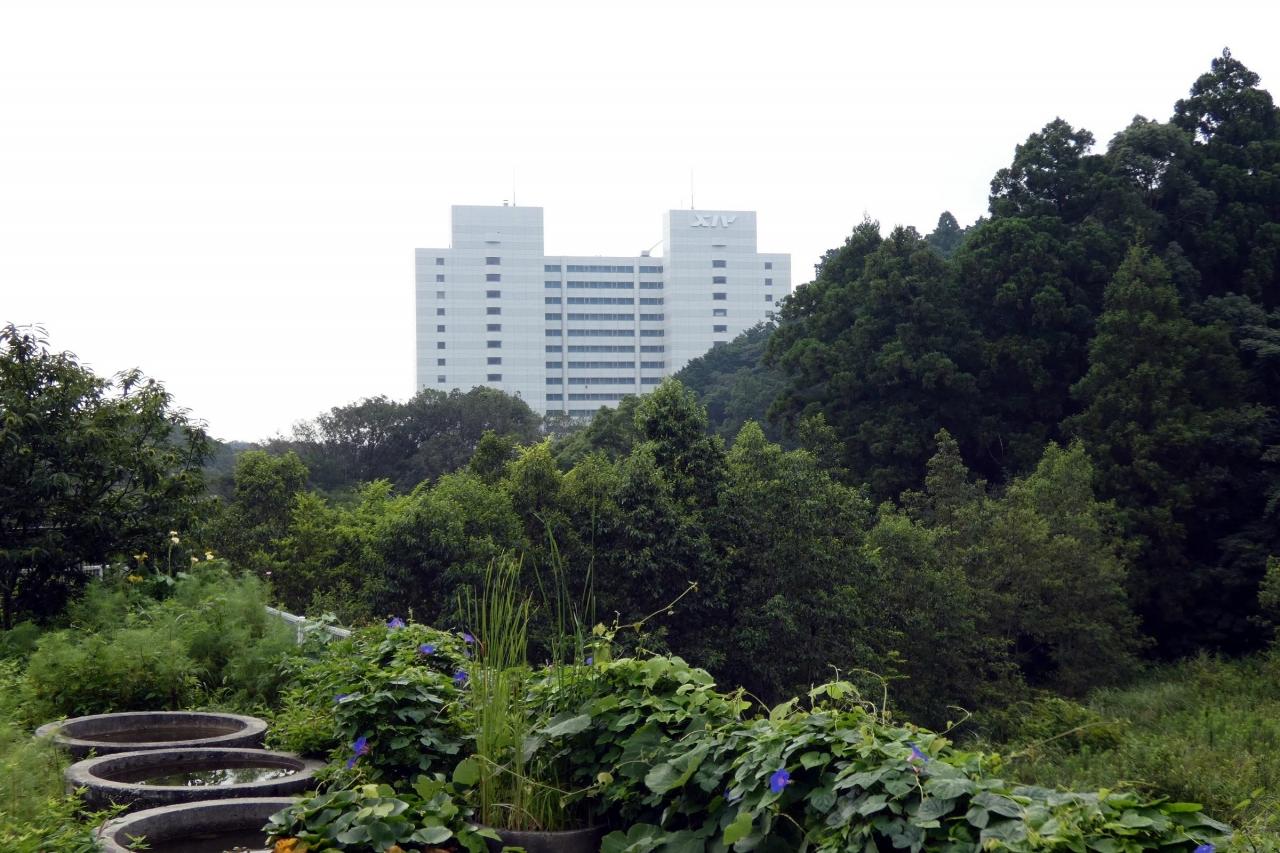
(379, 685)
(209, 640)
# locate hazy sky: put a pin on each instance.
(228, 195)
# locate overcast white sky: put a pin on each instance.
(228, 195)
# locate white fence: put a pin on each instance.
(303, 626)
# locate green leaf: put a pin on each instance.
(566, 725)
(467, 772)
(739, 829)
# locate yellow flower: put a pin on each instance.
(141, 558)
(194, 559)
(174, 539)
(173, 533)
(134, 578)
(208, 555)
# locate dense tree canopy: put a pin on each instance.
(91, 469)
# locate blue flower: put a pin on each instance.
(1205, 848)
(460, 677)
(395, 622)
(779, 780)
(590, 660)
(359, 748)
(916, 754)
(467, 638)
(426, 649)
(340, 697)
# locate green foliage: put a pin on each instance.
(405, 443)
(372, 818)
(35, 814)
(734, 383)
(211, 640)
(381, 686)
(89, 469)
(1203, 730)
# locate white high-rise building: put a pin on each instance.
(570, 334)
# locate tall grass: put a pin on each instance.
(1205, 731)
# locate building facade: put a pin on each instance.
(571, 333)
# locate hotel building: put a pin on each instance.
(572, 333)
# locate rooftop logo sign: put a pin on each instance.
(712, 220)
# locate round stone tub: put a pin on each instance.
(131, 731)
(162, 777)
(207, 827)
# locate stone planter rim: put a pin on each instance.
(249, 734)
(583, 840)
(180, 814)
(101, 790)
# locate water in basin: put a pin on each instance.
(156, 734)
(229, 841)
(203, 774)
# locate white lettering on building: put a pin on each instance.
(712, 220)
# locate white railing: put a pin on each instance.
(302, 625)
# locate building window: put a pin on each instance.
(651, 380)
(719, 312)
(595, 318)
(495, 359)
(493, 344)
(598, 268)
(768, 265)
(439, 312)
(653, 365)
(554, 365)
(492, 262)
(555, 396)
(439, 328)
(645, 269)
(768, 297)
(439, 262)
(551, 316)
(651, 285)
(719, 328)
(551, 268)
(653, 333)
(441, 378)
(719, 265)
(493, 276)
(652, 318)
(439, 294)
(440, 345)
(768, 282)
(650, 300)
(653, 348)
(555, 348)
(551, 285)
(553, 333)
(554, 380)
(492, 311)
(440, 362)
(719, 279)
(493, 327)
(492, 294)
(493, 377)
(551, 300)
(439, 276)
(720, 296)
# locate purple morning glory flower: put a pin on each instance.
(1205, 848)
(359, 748)
(590, 660)
(467, 638)
(395, 622)
(916, 754)
(460, 677)
(426, 649)
(340, 697)
(779, 780)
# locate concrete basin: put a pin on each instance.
(162, 777)
(131, 731)
(208, 827)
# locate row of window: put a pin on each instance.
(598, 300)
(597, 268)
(606, 348)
